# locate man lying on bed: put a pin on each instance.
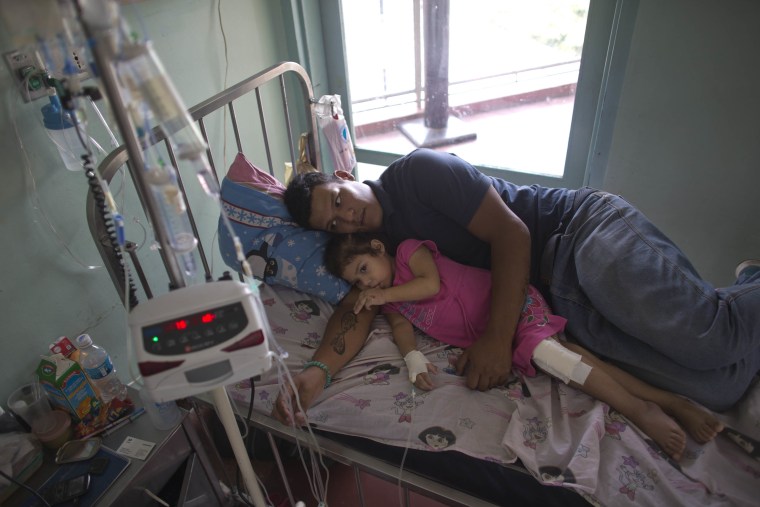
(628, 293)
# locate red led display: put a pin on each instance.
(193, 332)
(189, 322)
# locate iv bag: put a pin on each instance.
(333, 126)
(145, 76)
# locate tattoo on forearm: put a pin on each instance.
(347, 323)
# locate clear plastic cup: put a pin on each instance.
(30, 403)
(164, 416)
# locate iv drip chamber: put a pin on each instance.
(171, 204)
(206, 178)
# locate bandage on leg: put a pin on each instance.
(416, 363)
(560, 362)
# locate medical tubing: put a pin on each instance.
(406, 448)
(111, 136)
(314, 483)
(100, 200)
(34, 192)
(239, 255)
(33, 491)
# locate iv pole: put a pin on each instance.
(104, 53)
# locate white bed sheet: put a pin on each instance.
(561, 435)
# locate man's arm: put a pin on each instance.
(344, 337)
(488, 361)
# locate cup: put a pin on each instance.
(164, 416)
(30, 403)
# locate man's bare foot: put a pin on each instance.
(661, 428)
(702, 425)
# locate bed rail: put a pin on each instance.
(363, 462)
(103, 230)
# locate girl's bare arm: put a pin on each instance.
(425, 284)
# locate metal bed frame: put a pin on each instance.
(103, 234)
(102, 231)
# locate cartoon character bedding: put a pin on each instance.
(562, 436)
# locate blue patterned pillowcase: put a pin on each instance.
(278, 251)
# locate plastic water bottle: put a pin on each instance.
(97, 364)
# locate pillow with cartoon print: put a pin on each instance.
(278, 251)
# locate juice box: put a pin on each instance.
(67, 387)
(63, 346)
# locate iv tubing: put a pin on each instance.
(227, 417)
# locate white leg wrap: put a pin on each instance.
(416, 363)
(560, 362)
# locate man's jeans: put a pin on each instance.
(631, 296)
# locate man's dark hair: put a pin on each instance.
(298, 195)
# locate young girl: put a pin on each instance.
(451, 303)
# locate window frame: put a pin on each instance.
(319, 45)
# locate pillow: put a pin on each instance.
(278, 251)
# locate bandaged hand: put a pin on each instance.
(419, 370)
(369, 298)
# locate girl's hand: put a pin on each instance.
(419, 369)
(423, 380)
(369, 298)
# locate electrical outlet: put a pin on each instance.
(27, 71)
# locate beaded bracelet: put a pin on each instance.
(322, 366)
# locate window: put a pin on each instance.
(522, 81)
(507, 78)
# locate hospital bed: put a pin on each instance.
(531, 442)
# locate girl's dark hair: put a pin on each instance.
(343, 248)
(297, 196)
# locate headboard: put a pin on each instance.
(288, 118)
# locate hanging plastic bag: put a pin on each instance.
(334, 129)
(303, 164)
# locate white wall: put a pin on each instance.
(686, 146)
